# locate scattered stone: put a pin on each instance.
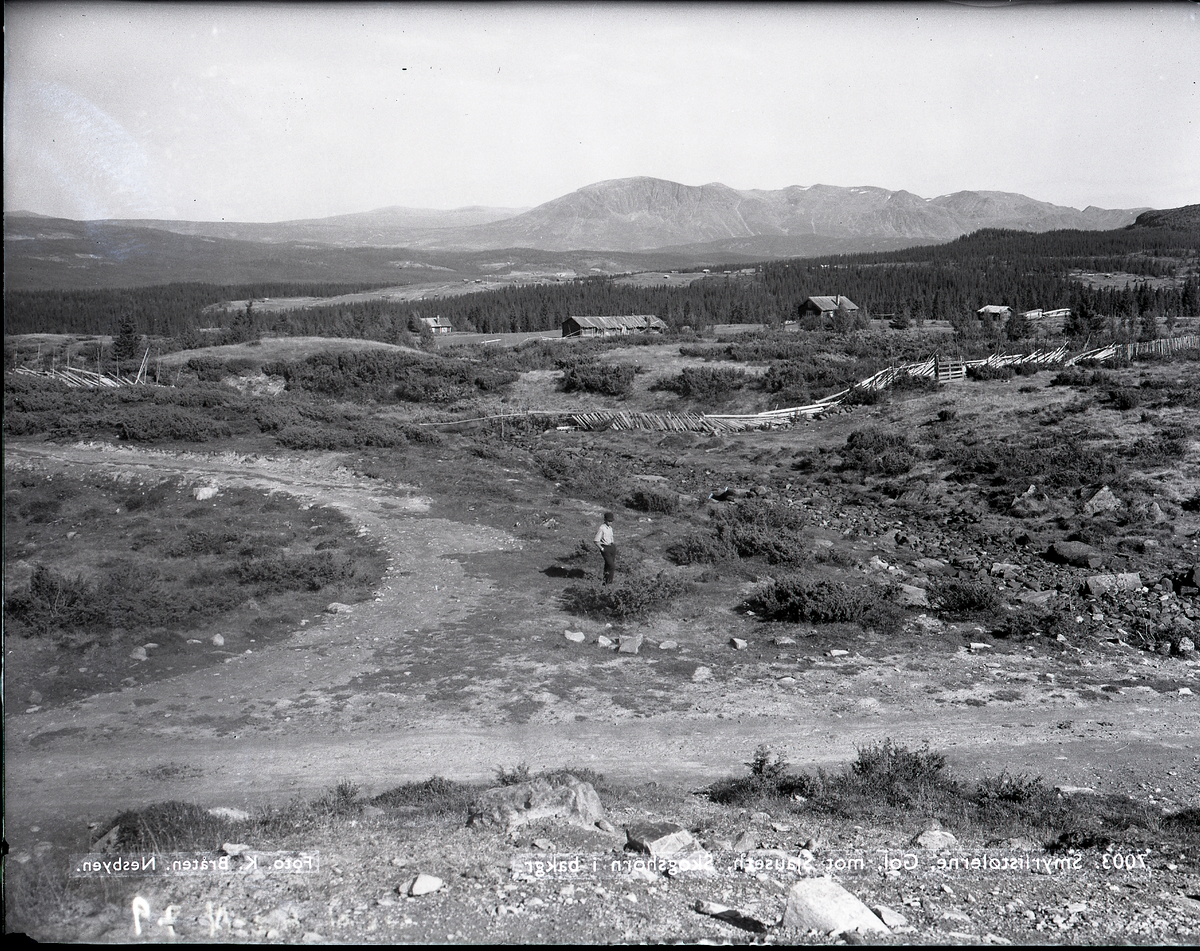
(935, 839)
(424, 884)
(1074, 790)
(1076, 554)
(1101, 502)
(1098, 585)
(822, 904)
(544, 844)
(738, 644)
(336, 607)
(838, 653)
(732, 915)
(629, 643)
(660, 839)
(218, 640)
(668, 645)
(513, 806)
(1029, 504)
(71, 535)
(912, 596)
(782, 641)
(1036, 599)
(977, 646)
(891, 918)
(234, 849)
(228, 812)
(108, 841)
(1005, 569)
(202, 493)
(1186, 645)
(35, 696)
(575, 637)
(746, 842)
(138, 653)
(603, 641)
(701, 674)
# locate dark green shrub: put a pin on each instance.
(959, 597)
(627, 599)
(986, 372)
(700, 548)
(654, 500)
(1125, 398)
(707, 384)
(879, 452)
(897, 775)
(173, 826)
(607, 379)
(801, 597)
(1012, 789)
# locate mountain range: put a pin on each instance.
(670, 222)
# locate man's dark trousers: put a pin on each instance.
(610, 561)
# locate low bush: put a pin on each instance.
(879, 452)
(607, 379)
(705, 384)
(656, 501)
(987, 372)
(963, 597)
(800, 596)
(630, 598)
(1124, 398)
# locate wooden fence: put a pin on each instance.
(945, 371)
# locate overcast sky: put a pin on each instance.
(270, 112)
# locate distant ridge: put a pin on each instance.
(1186, 217)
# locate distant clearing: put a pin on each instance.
(280, 348)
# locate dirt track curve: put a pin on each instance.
(346, 696)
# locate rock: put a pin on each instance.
(893, 919)
(1004, 569)
(35, 696)
(668, 645)
(821, 904)
(935, 839)
(738, 918)
(603, 641)
(424, 884)
(1076, 554)
(514, 806)
(138, 653)
(228, 812)
(1102, 502)
(977, 646)
(336, 607)
(929, 564)
(912, 596)
(629, 643)
(218, 640)
(746, 842)
(660, 839)
(1185, 646)
(1098, 585)
(1029, 504)
(738, 644)
(836, 652)
(234, 849)
(700, 674)
(575, 637)
(781, 641)
(203, 493)
(1036, 599)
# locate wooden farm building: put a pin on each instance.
(439, 325)
(994, 310)
(823, 307)
(610, 326)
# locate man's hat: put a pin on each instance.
(608, 516)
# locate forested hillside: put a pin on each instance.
(949, 282)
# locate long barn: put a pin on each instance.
(610, 326)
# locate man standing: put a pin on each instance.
(604, 539)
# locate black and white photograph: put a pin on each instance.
(601, 473)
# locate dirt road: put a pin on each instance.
(456, 668)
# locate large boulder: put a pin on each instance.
(1076, 554)
(573, 801)
(1102, 502)
(821, 904)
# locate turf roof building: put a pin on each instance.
(994, 310)
(827, 306)
(612, 326)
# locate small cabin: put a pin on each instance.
(612, 326)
